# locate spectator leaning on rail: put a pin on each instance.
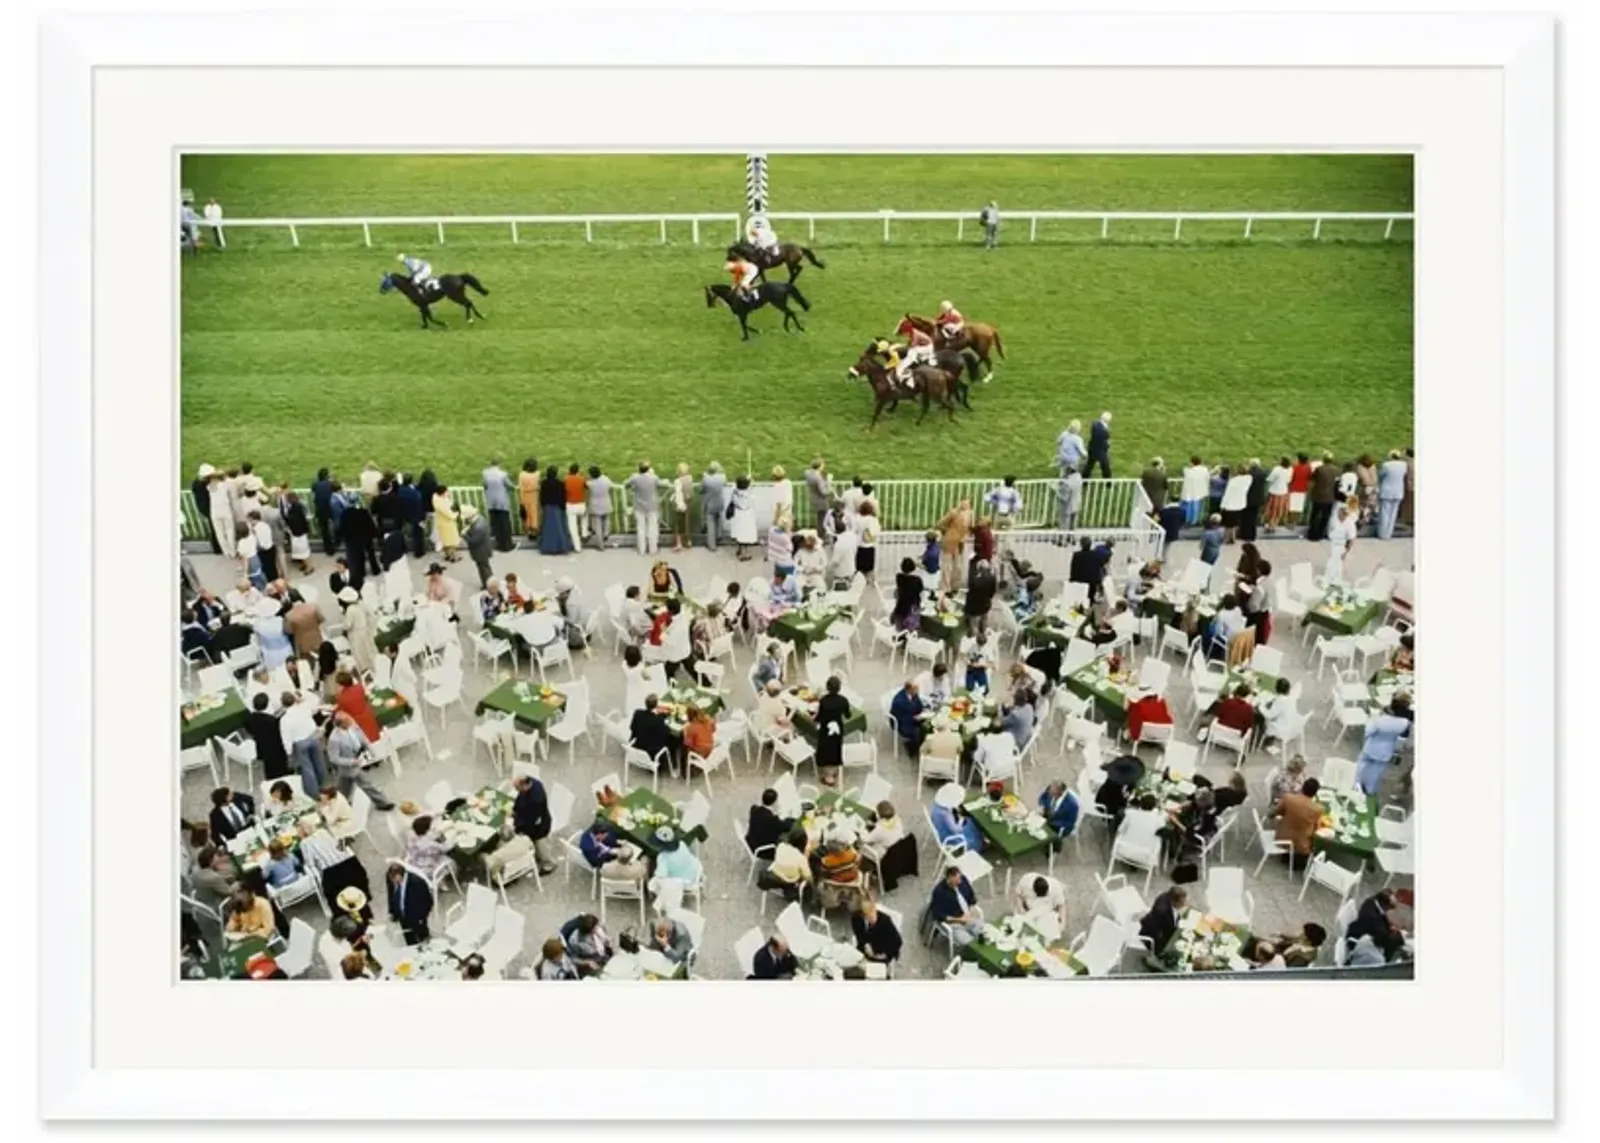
(497, 493)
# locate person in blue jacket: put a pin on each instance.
(1059, 806)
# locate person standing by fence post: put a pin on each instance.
(201, 491)
(990, 217)
(713, 502)
(1069, 498)
(1324, 491)
(1391, 493)
(818, 490)
(954, 527)
(645, 486)
(497, 502)
(1069, 448)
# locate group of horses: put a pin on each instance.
(958, 361)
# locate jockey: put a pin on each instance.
(950, 320)
(920, 351)
(760, 233)
(897, 363)
(421, 272)
(744, 276)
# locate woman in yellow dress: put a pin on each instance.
(528, 495)
(444, 522)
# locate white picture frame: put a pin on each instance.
(118, 96)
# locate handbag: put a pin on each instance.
(728, 515)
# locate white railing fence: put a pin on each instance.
(1049, 550)
(513, 223)
(1107, 506)
(1105, 218)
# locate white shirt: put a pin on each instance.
(997, 753)
(844, 553)
(1347, 484)
(1278, 482)
(246, 546)
(852, 499)
(1139, 827)
(1028, 901)
(1229, 624)
(1341, 532)
(268, 688)
(1233, 497)
(263, 535)
(1196, 482)
(213, 212)
(296, 725)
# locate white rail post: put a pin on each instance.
(961, 226)
(588, 230)
(440, 225)
(294, 235)
(886, 226)
(366, 233)
(1033, 228)
(515, 239)
(811, 229)
(1316, 229)
(1247, 224)
(694, 231)
(1177, 227)
(663, 232)
(1105, 226)
(1388, 229)
(222, 239)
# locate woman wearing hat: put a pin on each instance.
(358, 628)
(950, 821)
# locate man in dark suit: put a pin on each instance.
(530, 813)
(1254, 499)
(410, 904)
(1100, 447)
(774, 961)
(201, 491)
(1324, 491)
(1059, 806)
(322, 507)
(386, 505)
(1084, 566)
(650, 730)
(360, 539)
(412, 513)
(876, 935)
(267, 734)
(340, 578)
(766, 827)
(195, 636)
(1372, 918)
(1161, 922)
(231, 814)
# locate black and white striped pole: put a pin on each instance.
(755, 192)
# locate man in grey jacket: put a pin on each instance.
(645, 486)
(497, 499)
(1069, 495)
(817, 489)
(475, 534)
(713, 502)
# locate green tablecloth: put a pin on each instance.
(1003, 962)
(227, 962)
(1182, 952)
(830, 800)
(1010, 838)
(974, 720)
(1349, 620)
(682, 694)
(1359, 814)
(494, 811)
(1041, 630)
(1261, 684)
(388, 715)
(284, 825)
(393, 635)
(642, 833)
(1109, 700)
(803, 629)
(533, 712)
(806, 724)
(1169, 612)
(657, 600)
(946, 631)
(1396, 681)
(217, 722)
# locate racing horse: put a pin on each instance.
(451, 286)
(788, 254)
(934, 383)
(774, 294)
(977, 336)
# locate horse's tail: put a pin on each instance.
(999, 346)
(468, 279)
(812, 258)
(799, 297)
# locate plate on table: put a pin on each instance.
(1325, 832)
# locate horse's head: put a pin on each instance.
(905, 327)
(866, 365)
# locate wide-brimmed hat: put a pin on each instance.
(468, 512)
(667, 837)
(949, 795)
(564, 583)
(206, 470)
(351, 899)
(348, 595)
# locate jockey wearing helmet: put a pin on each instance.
(950, 320)
(920, 351)
(898, 363)
(421, 272)
(744, 276)
(760, 233)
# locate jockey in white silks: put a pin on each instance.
(421, 272)
(950, 321)
(761, 235)
(920, 351)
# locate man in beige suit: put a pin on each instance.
(954, 528)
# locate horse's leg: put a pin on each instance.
(744, 326)
(924, 405)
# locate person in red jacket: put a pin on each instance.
(1234, 711)
(1299, 485)
(1147, 707)
(352, 699)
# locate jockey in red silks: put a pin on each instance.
(949, 320)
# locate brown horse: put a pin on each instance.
(975, 335)
(932, 384)
(789, 255)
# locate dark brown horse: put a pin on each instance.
(975, 335)
(790, 255)
(932, 384)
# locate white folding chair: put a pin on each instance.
(715, 760)
(1226, 738)
(746, 947)
(1267, 839)
(1267, 661)
(635, 758)
(1099, 949)
(1121, 900)
(1330, 875)
(1337, 774)
(1226, 896)
(469, 921)
(296, 959)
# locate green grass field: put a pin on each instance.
(606, 353)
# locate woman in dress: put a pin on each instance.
(528, 495)
(351, 697)
(780, 545)
(782, 496)
(682, 497)
(553, 537)
(1367, 482)
(832, 711)
(866, 527)
(294, 519)
(742, 517)
(358, 629)
(445, 523)
(907, 611)
(1234, 497)
(811, 563)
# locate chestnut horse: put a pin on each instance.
(975, 335)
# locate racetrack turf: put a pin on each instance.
(605, 352)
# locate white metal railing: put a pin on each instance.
(514, 221)
(810, 217)
(1104, 217)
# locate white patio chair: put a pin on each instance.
(1344, 882)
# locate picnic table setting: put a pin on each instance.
(532, 704)
(970, 713)
(802, 703)
(1344, 610)
(391, 630)
(205, 717)
(1054, 623)
(248, 847)
(1015, 827)
(536, 623)
(1386, 684)
(637, 816)
(226, 960)
(834, 814)
(1107, 680)
(478, 822)
(430, 960)
(1169, 599)
(807, 624)
(1262, 685)
(389, 707)
(1348, 824)
(678, 700)
(943, 618)
(1205, 943)
(1024, 945)
(646, 964)
(1172, 788)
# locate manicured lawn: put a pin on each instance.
(606, 352)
